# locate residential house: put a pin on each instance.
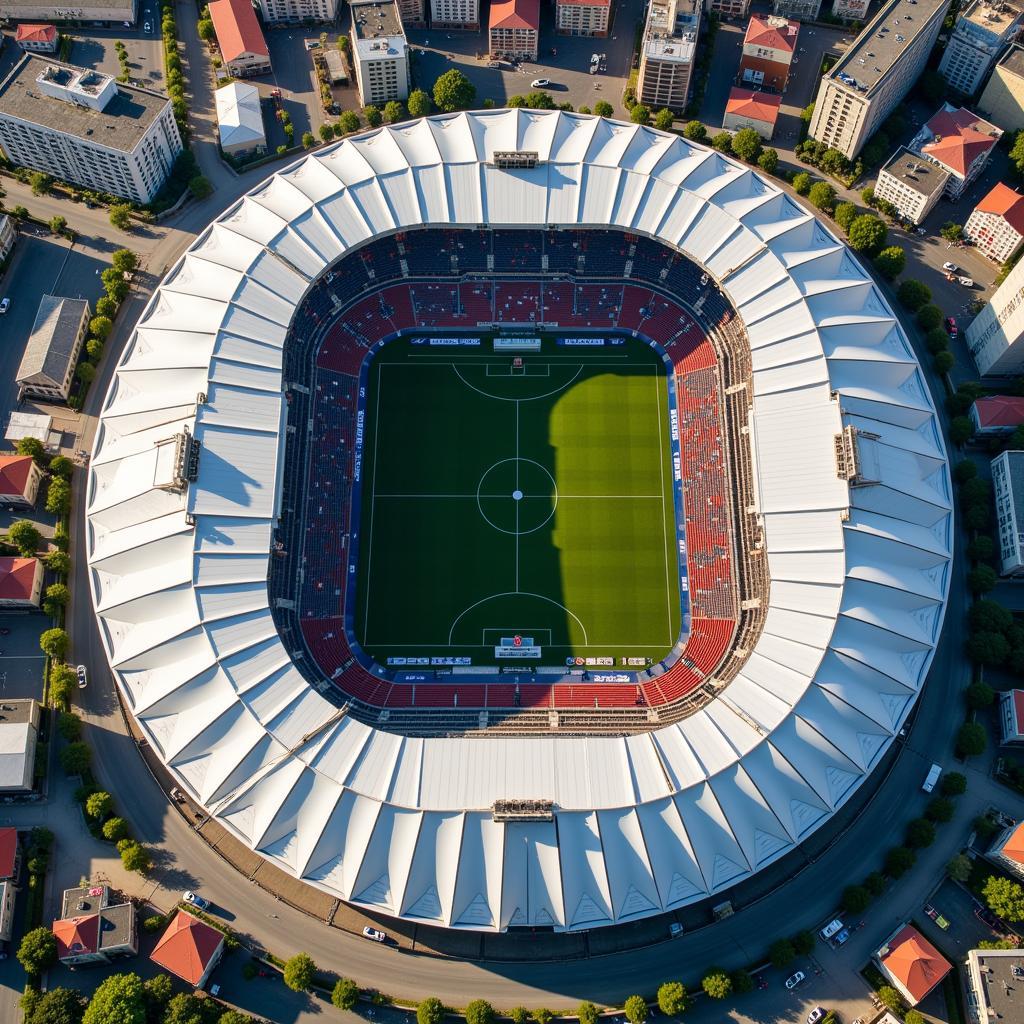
(19, 480)
(996, 224)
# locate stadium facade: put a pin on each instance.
(852, 491)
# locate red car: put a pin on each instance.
(950, 325)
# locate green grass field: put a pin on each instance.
(536, 503)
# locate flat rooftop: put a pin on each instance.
(376, 20)
(1002, 977)
(83, 899)
(33, 5)
(878, 47)
(1013, 60)
(126, 119)
(916, 173)
(993, 17)
(672, 31)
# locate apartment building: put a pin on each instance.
(911, 184)
(802, 10)
(959, 141)
(380, 52)
(767, 55)
(876, 72)
(85, 127)
(996, 224)
(981, 31)
(8, 236)
(851, 10)
(582, 17)
(1008, 491)
(37, 38)
(413, 13)
(457, 14)
(995, 337)
(667, 54)
(729, 8)
(52, 349)
(995, 975)
(240, 38)
(1002, 102)
(289, 12)
(514, 29)
(106, 12)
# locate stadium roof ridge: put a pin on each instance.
(403, 825)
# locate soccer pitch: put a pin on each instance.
(500, 500)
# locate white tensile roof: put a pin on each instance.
(644, 823)
(239, 117)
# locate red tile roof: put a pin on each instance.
(237, 29)
(915, 962)
(960, 138)
(760, 32)
(1005, 203)
(187, 947)
(36, 33)
(8, 851)
(1014, 845)
(1000, 410)
(15, 471)
(17, 578)
(759, 106)
(77, 935)
(515, 14)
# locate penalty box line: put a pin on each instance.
(500, 632)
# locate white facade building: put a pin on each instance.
(1008, 488)
(667, 54)
(459, 14)
(8, 235)
(380, 52)
(86, 128)
(112, 12)
(996, 224)
(912, 184)
(996, 335)
(292, 11)
(851, 10)
(240, 119)
(875, 73)
(982, 29)
(582, 17)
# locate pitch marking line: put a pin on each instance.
(664, 525)
(483, 494)
(500, 631)
(514, 593)
(373, 500)
(532, 398)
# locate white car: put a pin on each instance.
(951, 268)
(794, 980)
(374, 935)
(816, 1014)
(195, 900)
(5, 305)
(83, 679)
(539, 83)
(967, 282)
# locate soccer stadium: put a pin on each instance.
(519, 519)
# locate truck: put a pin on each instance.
(932, 777)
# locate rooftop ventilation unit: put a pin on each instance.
(523, 810)
(515, 159)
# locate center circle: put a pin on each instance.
(517, 496)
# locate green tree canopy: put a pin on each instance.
(920, 833)
(981, 579)
(635, 1010)
(37, 951)
(1004, 897)
(119, 999)
(856, 899)
(587, 1013)
(40, 183)
(867, 234)
(671, 998)
(58, 1006)
(135, 857)
(959, 868)
(801, 183)
(716, 983)
(747, 145)
(822, 195)
(898, 861)
(664, 119)
(722, 141)
(419, 103)
(603, 108)
(640, 114)
(768, 161)
(430, 1011)
(479, 1011)
(32, 446)
(349, 121)
(200, 187)
(891, 261)
(845, 214)
(58, 494)
(121, 216)
(54, 642)
(393, 112)
(99, 805)
(373, 115)
(954, 784)
(971, 740)
(891, 999)
(453, 91)
(781, 952)
(695, 131)
(987, 647)
(25, 537)
(299, 972)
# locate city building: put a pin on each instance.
(767, 54)
(1003, 99)
(729, 8)
(413, 13)
(289, 12)
(189, 948)
(981, 31)
(997, 415)
(19, 733)
(995, 988)
(871, 78)
(911, 184)
(19, 480)
(53, 346)
(996, 224)
(240, 119)
(8, 235)
(851, 10)
(748, 109)
(667, 54)
(85, 127)
(911, 964)
(107, 12)
(33, 424)
(582, 17)
(457, 14)
(1007, 850)
(1008, 488)
(37, 38)
(994, 336)
(21, 582)
(959, 141)
(380, 52)
(1011, 720)
(240, 38)
(93, 930)
(10, 854)
(514, 29)
(804, 10)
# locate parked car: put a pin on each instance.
(83, 679)
(830, 929)
(795, 979)
(195, 900)
(818, 1013)
(374, 934)
(950, 324)
(841, 938)
(931, 778)
(986, 916)
(5, 305)
(675, 929)
(967, 282)
(540, 83)
(951, 267)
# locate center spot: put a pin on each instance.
(517, 495)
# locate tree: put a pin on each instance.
(867, 234)
(538, 100)
(891, 261)
(58, 1006)
(635, 1010)
(115, 829)
(373, 115)
(834, 162)
(121, 216)
(186, 1008)
(54, 642)
(135, 857)
(856, 899)
(781, 952)
(542, 1015)
(694, 131)
(1003, 896)
(845, 214)
(200, 186)
(308, 140)
(959, 868)
(768, 161)
(56, 597)
(742, 982)
(119, 999)
(38, 951)
(603, 108)
(25, 537)
(981, 548)
(803, 943)
(898, 861)
(664, 119)
(801, 183)
(419, 103)
(944, 362)
(640, 114)
(929, 317)
(747, 145)
(952, 232)
(807, 114)
(58, 494)
(124, 261)
(344, 995)
(586, 1013)
(891, 999)
(722, 142)
(75, 758)
(981, 579)
(62, 466)
(960, 430)
(299, 972)
(671, 998)
(479, 1011)
(99, 805)
(62, 683)
(940, 810)
(875, 884)
(516, 101)
(954, 784)
(453, 91)
(34, 447)
(69, 725)
(393, 112)
(57, 226)
(822, 195)
(920, 833)
(86, 373)
(206, 30)
(326, 132)
(979, 696)
(971, 740)
(988, 648)
(430, 1011)
(235, 1017)
(716, 983)
(40, 183)
(100, 327)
